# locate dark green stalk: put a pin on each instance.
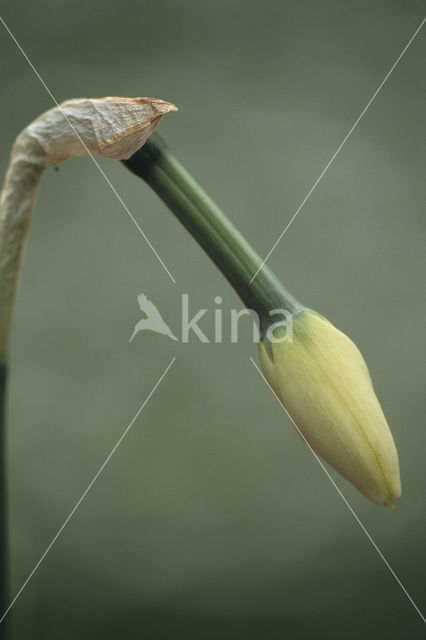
(4, 562)
(225, 245)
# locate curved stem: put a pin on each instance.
(16, 204)
(114, 127)
(221, 240)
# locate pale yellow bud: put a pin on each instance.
(323, 382)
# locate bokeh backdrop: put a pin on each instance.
(212, 519)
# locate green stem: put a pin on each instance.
(4, 563)
(221, 240)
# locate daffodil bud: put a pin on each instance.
(324, 384)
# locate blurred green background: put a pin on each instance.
(213, 520)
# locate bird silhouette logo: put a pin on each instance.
(153, 320)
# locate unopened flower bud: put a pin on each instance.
(324, 384)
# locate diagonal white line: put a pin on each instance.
(333, 157)
(343, 497)
(119, 198)
(80, 500)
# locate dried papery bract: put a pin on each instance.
(113, 127)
